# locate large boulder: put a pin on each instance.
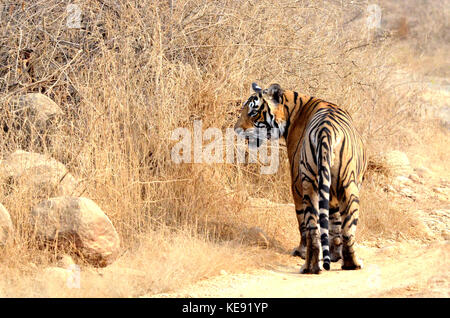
(37, 109)
(77, 224)
(41, 175)
(6, 226)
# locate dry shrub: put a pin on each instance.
(384, 218)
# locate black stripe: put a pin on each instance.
(323, 221)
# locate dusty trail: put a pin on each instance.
(403, 270)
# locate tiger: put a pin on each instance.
(327, 160)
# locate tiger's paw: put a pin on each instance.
(305, 269)
(336, 249)
(314, 269)
(299, 252)
(352, 265)
(335, 254)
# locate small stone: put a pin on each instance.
(65, 261)
(256, 236)
(402, 180)
(439, 190)
(422, 172)
(6, 226)
(407, 192)
(415, 178)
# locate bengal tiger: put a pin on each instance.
(327, 159)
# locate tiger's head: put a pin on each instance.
(261, 116)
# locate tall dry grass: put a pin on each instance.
(137, 70)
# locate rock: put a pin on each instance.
(407, 192)
(77, 224)
(439, 190)
(397, 162)
(6, 226)
(415, 178)
(37, 109)
(422, 171)
(256, 236)
(389, 188)
(41, 175)
(65, 261)
(35, 121)
(402, 180)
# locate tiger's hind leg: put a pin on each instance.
(349, 207)
(300, 251)
(335, 234)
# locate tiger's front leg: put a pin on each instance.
(300, 251)
(311, 204)
(297, 191)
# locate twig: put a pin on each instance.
(46, 79)
(237, 45)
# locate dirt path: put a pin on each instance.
(388, 272)
(405, 269)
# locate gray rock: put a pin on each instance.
(77, 224)
(37, 108)
(41, 175)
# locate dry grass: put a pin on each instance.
(161, 261)
(135, 71)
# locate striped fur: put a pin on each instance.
(327, 159)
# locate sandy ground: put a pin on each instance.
(403, 270)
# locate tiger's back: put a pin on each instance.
(332, 163)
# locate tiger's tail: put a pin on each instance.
(324, 172)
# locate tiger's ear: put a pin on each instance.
(274, 92)
(256, 88)
(273, 95)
